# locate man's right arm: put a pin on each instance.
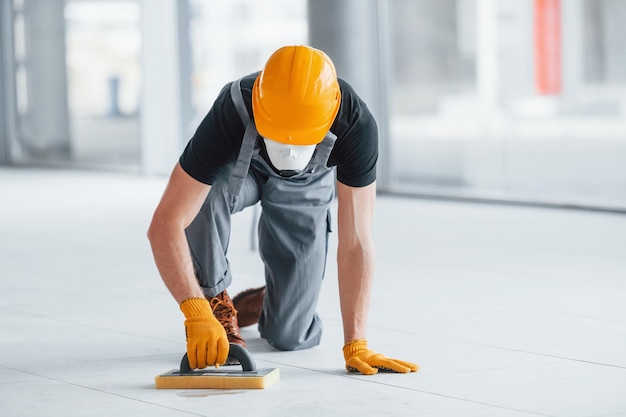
(207, 343)
(181, 201)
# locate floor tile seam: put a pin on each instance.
(515, 249)
(491, 271)
(60, 381)
(437, 375)
(122, 358)
(36, 379)
(521, 309)
(499, 368)
(361, 378)
(620, 414)
(546, 355)
(86, 325)
(584, 316)
(552, 379)
(509, 349)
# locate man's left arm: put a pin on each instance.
(355, 256)
(355, 264)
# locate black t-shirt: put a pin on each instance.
(219, 136)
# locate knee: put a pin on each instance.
(292, 343)
(287, 339)
(283, 345)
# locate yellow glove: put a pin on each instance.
(207, 343)
(360, 359)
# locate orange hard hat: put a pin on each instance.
(296, 97)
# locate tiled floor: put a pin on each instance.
(510, 311)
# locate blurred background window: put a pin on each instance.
(103, 41)
(505, 100)
(76, 83)
(234, 38)
(510, 100)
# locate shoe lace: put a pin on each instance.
(224, 313)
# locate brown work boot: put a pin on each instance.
(224, 311)
(248, 304)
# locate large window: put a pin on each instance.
(103, 43)
(510, 100)
(74, 77)
(76, 73)
(496, 99)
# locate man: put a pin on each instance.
(274, 137)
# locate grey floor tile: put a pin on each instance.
(509, 311)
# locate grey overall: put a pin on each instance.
(293, 234)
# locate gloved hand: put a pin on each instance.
(360, 359)
(207, 343)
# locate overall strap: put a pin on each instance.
(240, 171)
(235, 94)
(322, 152)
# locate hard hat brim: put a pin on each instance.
(289, 131)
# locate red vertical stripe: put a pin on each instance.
(547, 46)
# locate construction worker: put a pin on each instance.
(277, 137)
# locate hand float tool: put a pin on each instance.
(247, 378)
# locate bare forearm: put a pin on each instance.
(179, 205)
(172, 258)
(355, 257)
(356, 273)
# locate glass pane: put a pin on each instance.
(435, 57)
(434, 49)
(510, 100)
(21, 90)
(76, 77)
(103, 41)
(233, 38)
(19, 37)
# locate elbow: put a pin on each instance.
(155, 229)
(361, 249)
(164, 228)
(151, 231)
